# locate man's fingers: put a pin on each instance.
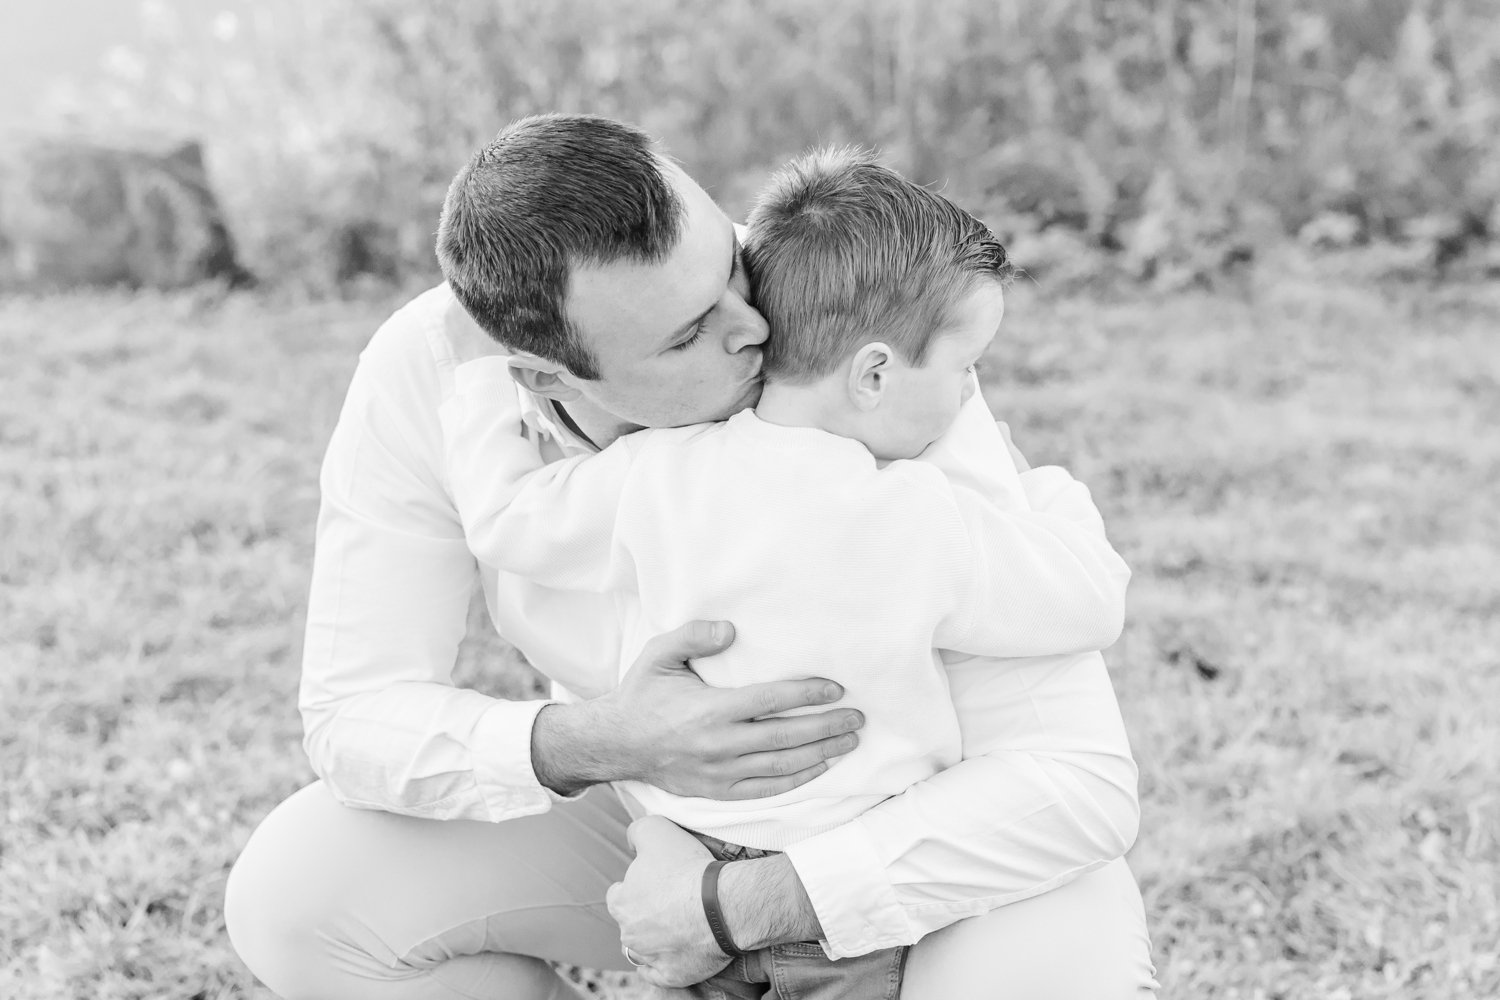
(612, 896)
(782, 763)
(795, 731)
(760, 788)
(669, 980)
(753, 701)
(687, 642)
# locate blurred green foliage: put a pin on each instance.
(1169, 137)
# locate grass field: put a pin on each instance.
(1304, 474)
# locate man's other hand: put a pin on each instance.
(663, 725)
(659, 907)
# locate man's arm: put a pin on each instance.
(391, 583)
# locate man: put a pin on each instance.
(481, 841)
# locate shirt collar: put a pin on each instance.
(540, 415)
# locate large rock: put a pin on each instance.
(77, 212)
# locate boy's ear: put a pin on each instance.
(545, 378)
(869, 374)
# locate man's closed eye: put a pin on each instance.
(683, 345)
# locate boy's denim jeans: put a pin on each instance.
(800, 970)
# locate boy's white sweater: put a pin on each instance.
(829, 563)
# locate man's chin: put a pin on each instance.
(746, 395)
(749, 395)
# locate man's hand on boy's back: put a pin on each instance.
(665, 726)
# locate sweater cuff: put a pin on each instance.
(854, 900)
(501, 744)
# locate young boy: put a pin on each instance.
(803, 522)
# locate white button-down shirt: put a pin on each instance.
(1046, 792)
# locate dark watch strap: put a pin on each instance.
(712, 911)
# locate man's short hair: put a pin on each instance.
(548, 193)
(842, 252)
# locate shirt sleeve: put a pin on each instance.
(1045, 792)
(1012, 819)
(996, 828)
(391, 583)
(554, 525)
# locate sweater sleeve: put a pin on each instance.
(553, 524)
(1039, 583)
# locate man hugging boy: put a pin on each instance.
(804, 522)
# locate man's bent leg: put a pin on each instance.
(1086, 939)
(329, 902)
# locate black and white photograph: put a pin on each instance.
(749, 500)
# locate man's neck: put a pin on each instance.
(598, 426)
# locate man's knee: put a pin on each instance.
(250, 917)
(330, 901)
(1085, 939)
(273, 909)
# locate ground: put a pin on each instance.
(1302, 471)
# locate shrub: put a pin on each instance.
(1167, 132)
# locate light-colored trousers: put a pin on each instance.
(329, 902)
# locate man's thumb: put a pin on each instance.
(695, 639)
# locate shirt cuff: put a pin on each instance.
(846, 880)
(501, 743)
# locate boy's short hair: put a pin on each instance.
(842, 251)
(549, 192)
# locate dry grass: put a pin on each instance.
(1303, 474)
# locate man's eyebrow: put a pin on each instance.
(736, 265)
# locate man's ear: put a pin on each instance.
(544, 378)
(869, 375)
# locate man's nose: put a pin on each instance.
(968, 389)
(750, 328)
